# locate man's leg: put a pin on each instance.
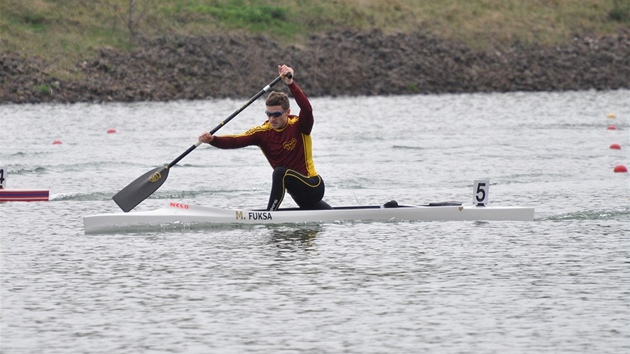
(306, 191)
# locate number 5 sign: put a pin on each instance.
(481, 189)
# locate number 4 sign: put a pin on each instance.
(481, 189)
(3, 179)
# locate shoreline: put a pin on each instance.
(333, 64)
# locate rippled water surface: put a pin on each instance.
(559, 284)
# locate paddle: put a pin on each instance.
(140, 189)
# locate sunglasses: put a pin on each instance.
(274, 114)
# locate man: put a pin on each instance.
(285, 139)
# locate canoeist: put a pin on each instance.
(285, 140)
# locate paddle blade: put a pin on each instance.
(141, 188)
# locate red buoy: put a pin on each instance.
(111, 131)
(615, 146)
(57, 142)
(612, 127)
(620, 169)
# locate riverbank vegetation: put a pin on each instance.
(60, 32)
(159, 50)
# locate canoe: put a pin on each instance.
(23, 195)
(175, 213)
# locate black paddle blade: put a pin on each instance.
(141, 188)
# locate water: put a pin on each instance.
(559, 284)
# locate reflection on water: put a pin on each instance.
(288, 238)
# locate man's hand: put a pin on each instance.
(206, 137)
(283, 70)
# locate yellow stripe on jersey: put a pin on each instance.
(254, 130)
(308, 155)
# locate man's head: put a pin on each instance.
(277, 105)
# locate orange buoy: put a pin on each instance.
(111, 131)
(620, 169)
(57, 142)
(612, 127)
(615, 146)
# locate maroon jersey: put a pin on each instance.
(288, 147)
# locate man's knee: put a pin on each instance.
(278, 173)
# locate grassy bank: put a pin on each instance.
(62, 32)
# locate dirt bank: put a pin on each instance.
(347, 63)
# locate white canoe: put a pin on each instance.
(184, 214)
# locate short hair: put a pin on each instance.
(276, 98)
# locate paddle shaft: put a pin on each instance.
(145, 185)
(226, 120)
